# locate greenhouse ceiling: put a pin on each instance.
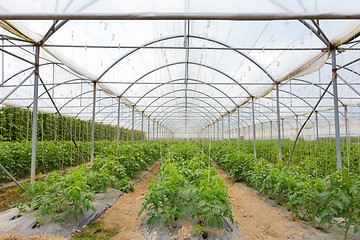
(187, 66)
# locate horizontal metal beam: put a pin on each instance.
(181, 16)
(185, 47)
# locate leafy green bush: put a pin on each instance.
(73, 191)
(187, 182)
(334, 197)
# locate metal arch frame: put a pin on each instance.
(303, 99)
(59, 84)
(195, 80)
(161, 117)
(314, 84)
(163, 95)
(191, 90)
(26, 69)
(198, 121)
(206, 117)
(181, 36)
(79, 95)
(285, 119)
(112, 113)
(345, 68)
(269, 109)
(176, 63)
(194, 98)
(318, 33)
(255, 117)
(90, 104)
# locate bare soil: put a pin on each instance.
(257, 219)
(8, 196)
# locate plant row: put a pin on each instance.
(335, 199)
(318, 159)
(14, 126)
(73, 191)
(55, 155)
(187, 184)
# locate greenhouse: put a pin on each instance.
(267, 91)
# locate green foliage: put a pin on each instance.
(73, 191)
(59, 192)
(334, 197)
(13, 127)
(187, 182)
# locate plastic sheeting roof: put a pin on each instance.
(183, 74)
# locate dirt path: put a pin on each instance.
(122, 216)
(256, 219)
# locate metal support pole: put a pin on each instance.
(17, 86)
(148, 133)
(297, 124)
(100, 131)
(157, 132)
(229, 130)
(35, 116)
(222, 129)
(336, 110)
(346, 127)
(118, 123)
(93, 124)
(55, 127)
(317, 126)
(218, 131)
(271, 130)
(132, 124)
(75, 129)
(253, 120)
(238, 126)
(27, 123)
(307, 119)
(11, 177)
(278, 120)
(153, 138)
(283, 131)
(142, 127)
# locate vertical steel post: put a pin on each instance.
(75, 129)
(346, 127)
(282, 127)
(297, 124)
(218, 131)
(229, 130)
(2, 63)
(222, 129)
(153, 138)
(148, 133)
(118, 123)
(238, 126)
(253, 120)
(157, 132)
(27, 123)
(278, 120)
(271, 130)
(317, 126)
(336, 110)
(93, 124)
(142, 126)
(35, 116)
(55, 130)
(132, 124)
